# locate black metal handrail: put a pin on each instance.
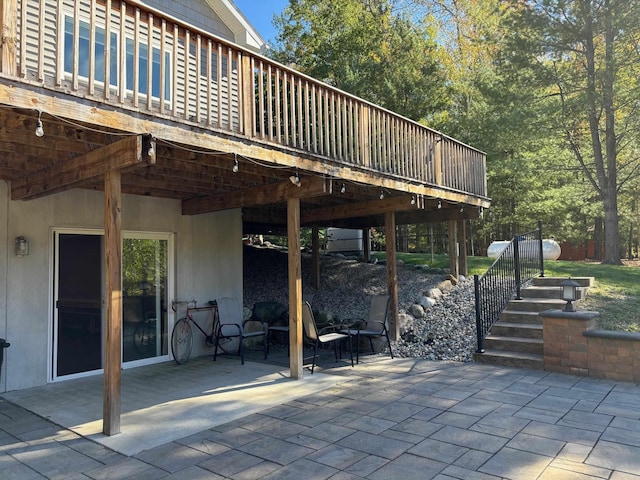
(519, 262)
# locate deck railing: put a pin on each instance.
(520, 261)
(158, 65)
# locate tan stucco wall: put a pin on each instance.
(208, 264)
(3, 274)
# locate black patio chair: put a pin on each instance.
(377, 324)
(317, 338)
(230, 325)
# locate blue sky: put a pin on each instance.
(260, 14)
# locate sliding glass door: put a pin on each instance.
(78, 292)
(144, 304)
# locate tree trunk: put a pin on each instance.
(611, 233)
(605, 159)
(597, 239)
(612, 253)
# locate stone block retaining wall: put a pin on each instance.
(573, 345)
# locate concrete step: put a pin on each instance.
(514, 344)
(516, 316)
(535, 304)
(522, 330)
(548, 292)
(556, 281)
(510, 359)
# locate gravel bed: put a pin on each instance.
(445, 332)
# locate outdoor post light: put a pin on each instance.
(569, 294)
(22, 246)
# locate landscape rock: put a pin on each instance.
(446, 331)
(417, 311)
(445, 286)
(405, 322)
(426, 302)
(434, 293)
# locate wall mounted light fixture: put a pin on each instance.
(21, 246)
(39, 129)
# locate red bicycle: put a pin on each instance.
(182, 334)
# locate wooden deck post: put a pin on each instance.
(453, 248)
(462, 251)
(437, 161)
(392, 274)
(315, 253)
(248, 97)
(295, 288)
(365, 137)
(113, 274)
(366, 244)
(9, 16)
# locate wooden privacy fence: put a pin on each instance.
(131, 56)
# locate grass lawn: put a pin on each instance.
(616, 295)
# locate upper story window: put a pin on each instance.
(147, 77)
(84, 45)
(143, 70)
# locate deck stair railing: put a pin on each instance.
(519, 262)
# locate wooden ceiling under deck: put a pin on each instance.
(72, 154)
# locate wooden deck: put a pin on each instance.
(209, 123)
(114, 96)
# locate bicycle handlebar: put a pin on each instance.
(192, 305)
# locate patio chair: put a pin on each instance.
(275, 317)
(279, 323)
(317, 338)
(377, 325)
(230, 325)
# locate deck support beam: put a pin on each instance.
(366, 244)
(262, 195)
(453, 249)
(315, 257)
(295, 288)
(133, 151)
(113, 287)
(392, 274)
(462, 249)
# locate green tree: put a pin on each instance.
(367, 48)
(584, 56)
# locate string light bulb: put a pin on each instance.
(343, 188)
(236, 166)
(381, 195)
(295, 179)
(39, 128)
(439, 204)
(413, 199)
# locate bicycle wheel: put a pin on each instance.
(181, 341)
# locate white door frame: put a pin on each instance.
(52, 346)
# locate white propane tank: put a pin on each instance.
(550, 248)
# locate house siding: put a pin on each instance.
(194, 12)
(208, 265)
(219, 95)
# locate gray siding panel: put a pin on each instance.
(194, 12)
